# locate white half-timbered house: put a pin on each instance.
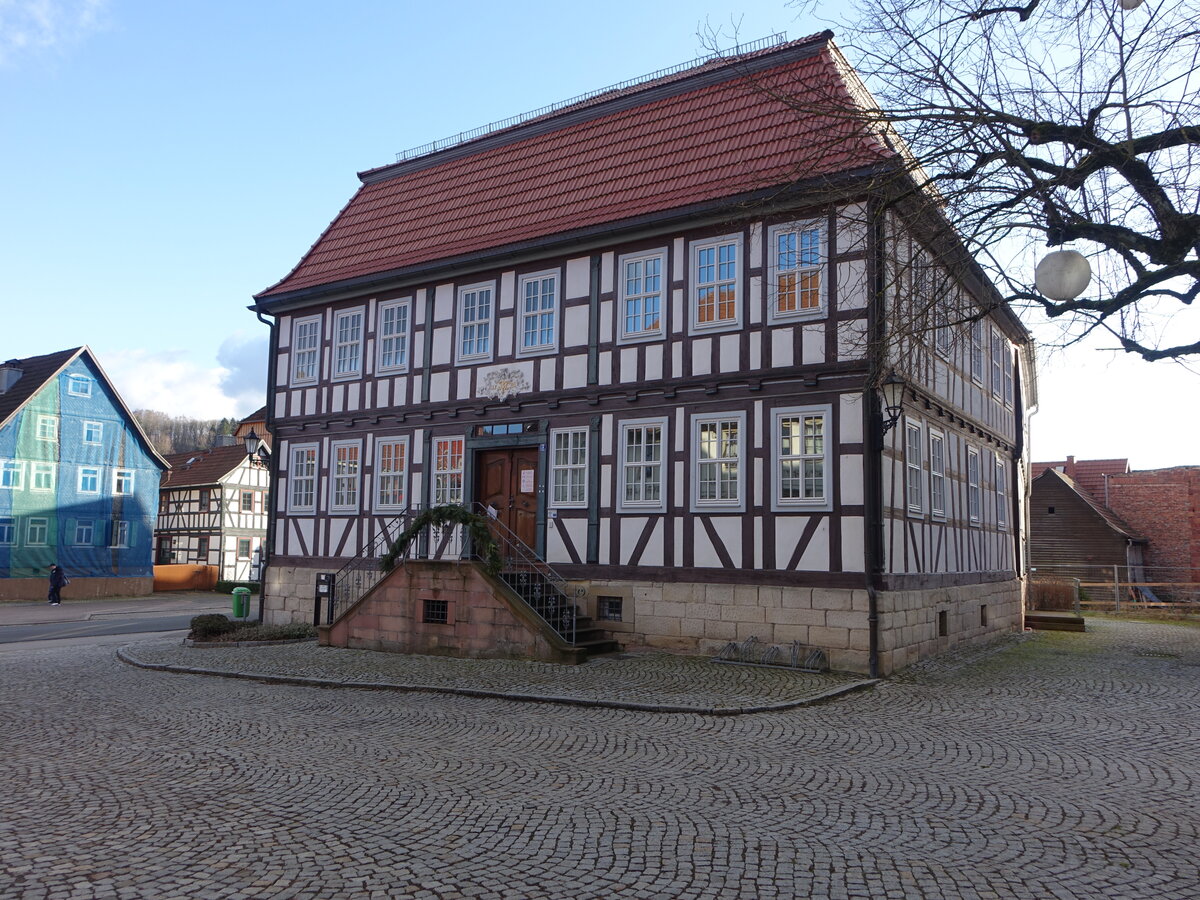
(649, 329)
(212, 511)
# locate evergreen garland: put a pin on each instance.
(482, 541)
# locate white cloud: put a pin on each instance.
(167, 381)
(28, 26)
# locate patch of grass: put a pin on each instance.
(1149, 617)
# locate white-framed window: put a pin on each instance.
(8, 531)
(391, 473)
(79, 386)
(42, 476)
(344, 476)
(973, 487)
(85, 532)
(1001, 494)
(393, 335)
(243, 548)
(642, 474)
(914, 467)
(120, 533)
(302, 479)
(641, 305)
(447, 471)
(93, 432)
(537, 313)
(1008, 376)
(796, 257)
(716, 284)
(997, 364)
(937, 474)
(568, 467)
(12, 474)
(943, 331)
(306, 350)
(977, 351)
(247, 501)
(718, 452)
(37, 531)
(475, 306)
(89, 479)
(123, 481)
(347, 343)
(802, 450)
(47, 428)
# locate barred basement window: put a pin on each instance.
(608, 609)
(435, 612)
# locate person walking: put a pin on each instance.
(58, 578)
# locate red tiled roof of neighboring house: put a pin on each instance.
(200, 467)
(703, 136)
(1115, 522)
(1087, 473)
(35, 372)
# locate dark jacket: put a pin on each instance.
(58, 577)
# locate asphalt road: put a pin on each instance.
(127, 625)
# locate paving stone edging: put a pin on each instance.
(303, 681)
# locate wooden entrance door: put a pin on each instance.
(507, 483)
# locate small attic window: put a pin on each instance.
(79, 386)
(1050, 510)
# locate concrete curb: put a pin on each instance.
(302, 681)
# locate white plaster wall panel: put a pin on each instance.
(556, 550)
(281, 403)
(850, 479)
(816, 555)
(607, 265)
(782, 347)
(443, 303)
(577, 529)
(756, 345)
(850, 413)
(629, 358)
(654, 361)
(730, 353)
(756, 299)
(606, 542)
(353, 396)
(653, 554)
(606, 485)
(812, 345)
(852, 284)
(574, 371)
(281, 368)
(853, 547)
(416, 388)
(439, 387)
(703, 551)
(852, 339)
(339, 398)
(579, 278)
(755, 252)
(337, 528)
(312, 400)
(606, 321)
(678, 319)
(418, 489)
(546, 369)
(677, 270)
(677, 494)
(631, 530)
(443, 340)
(418, 308)
(758, 486)
(575, 327)
(729, 530)
(701, 356)
(682, 434)
(852, 229)
(606, 367)
(462, 378)
(284, 330)
(607, 436)
(416, 350)
(759, 537)
(504, 336)
(676, 360)
(508, 290)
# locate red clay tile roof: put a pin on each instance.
(667, 145)
(1087, 473)
(200, 467)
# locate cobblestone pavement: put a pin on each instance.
(657, 682)
(1066, 766)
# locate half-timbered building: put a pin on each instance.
(212, 511)
(647, 331)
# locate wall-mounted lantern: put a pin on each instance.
(253, 442)
(893, 400)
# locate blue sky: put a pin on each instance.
(160, 162)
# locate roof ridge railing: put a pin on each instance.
(773, 40)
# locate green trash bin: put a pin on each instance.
(241, 602)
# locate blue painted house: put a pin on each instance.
(78, 481)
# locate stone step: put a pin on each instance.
(1054, 621)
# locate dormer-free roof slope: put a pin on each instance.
(721, 132)
(201, 467)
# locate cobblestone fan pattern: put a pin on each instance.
(1066, 766)
(653, 680)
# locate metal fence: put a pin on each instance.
(1113, 587)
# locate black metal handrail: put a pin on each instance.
(358, 576)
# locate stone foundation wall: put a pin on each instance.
(14, 590)
(288, 593)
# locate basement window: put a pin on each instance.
(435, 612)
(982, 615)
(943, 624)
(608, 609)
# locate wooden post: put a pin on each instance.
(1116, 589)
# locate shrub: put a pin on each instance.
(210, 625)
(236, 631)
